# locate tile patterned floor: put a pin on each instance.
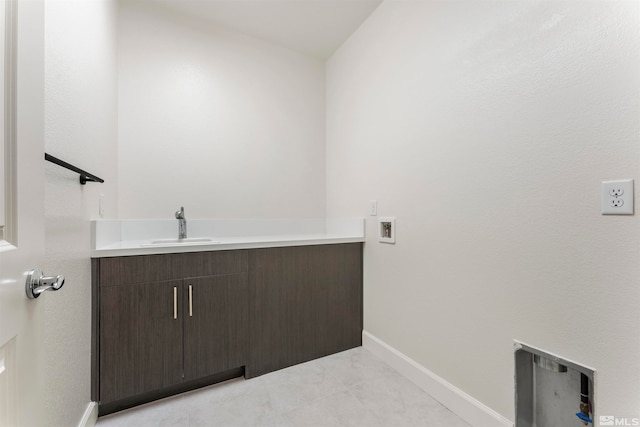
(352, 388)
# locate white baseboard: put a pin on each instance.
(459, 402)
(90, 417)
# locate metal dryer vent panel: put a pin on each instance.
(547, 389)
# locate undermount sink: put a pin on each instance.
(176, 242)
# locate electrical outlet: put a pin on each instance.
(616, 191)
(373, 208)
(616, 202)
(617, 197)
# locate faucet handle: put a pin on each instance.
(180, 213)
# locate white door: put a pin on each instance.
(22, 248)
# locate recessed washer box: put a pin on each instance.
(387, 230)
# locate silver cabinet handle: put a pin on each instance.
(37, 283)
(175, 302)
(190, 301)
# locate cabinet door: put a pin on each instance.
(216, 324)
(140, 338)
(306, 302)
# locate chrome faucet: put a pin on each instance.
(182, 223)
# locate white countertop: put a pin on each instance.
(113, 238)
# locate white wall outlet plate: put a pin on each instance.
(617, 197)
(101, 205)
(387, 230)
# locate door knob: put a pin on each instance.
(37, 283)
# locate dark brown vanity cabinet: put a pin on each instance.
(163, 324)
(140, 341)
(167, 321)
(216, 325)
(306, 302)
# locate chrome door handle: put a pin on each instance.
(37, 283)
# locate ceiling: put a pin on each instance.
(314, 27)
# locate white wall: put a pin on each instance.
(486, 128)
(80, 127)
(220, 123)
